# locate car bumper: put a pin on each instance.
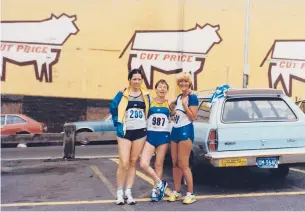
(249, 157)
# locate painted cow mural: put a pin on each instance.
(287, 62)
(171, 51)
(35, 43)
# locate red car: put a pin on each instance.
(20, 124)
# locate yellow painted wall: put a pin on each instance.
(89, 65)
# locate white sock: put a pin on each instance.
(176, 192)
(128, 191)
(119, 192)
(159, 184)
(188, 193)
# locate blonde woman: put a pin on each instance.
(184, 110)
(129, 110)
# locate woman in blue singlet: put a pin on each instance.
(157, 139)
(182, 137)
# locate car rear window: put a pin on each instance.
(14, 120)
(2, 120)
(256, 109)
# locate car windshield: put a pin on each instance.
(203, 111)
(302, 106)
(256, 109)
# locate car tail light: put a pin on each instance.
(213, 140)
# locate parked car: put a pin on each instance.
(251, 128)
(21, 124)
(104, 126)
(94, 126)
(301, 104)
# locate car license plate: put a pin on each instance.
(233, 162)
(267, 162)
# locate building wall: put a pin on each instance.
(83, 50)
(55, 111)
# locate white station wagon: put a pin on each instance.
(250, 127)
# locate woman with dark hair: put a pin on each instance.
(129, 110)
(157, 139)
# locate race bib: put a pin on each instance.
(176, 118)
(135, 119)
(158, 122)
(180, 119)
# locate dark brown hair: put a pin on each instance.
(135, 71)
(163, 82)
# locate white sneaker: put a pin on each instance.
(154, 196)
(129, 199)
(120, 197)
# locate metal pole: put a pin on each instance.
(246, 65)
(228, 75)
(69, 141)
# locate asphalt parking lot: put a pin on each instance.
(86, 184)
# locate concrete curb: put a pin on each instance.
(55, 138)
(60, 159)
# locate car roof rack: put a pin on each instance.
(206, 93)
(254, 91)
(209, 91)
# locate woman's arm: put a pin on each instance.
(172, 106)
(191, 107)
(191, 112)
(113, 107)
